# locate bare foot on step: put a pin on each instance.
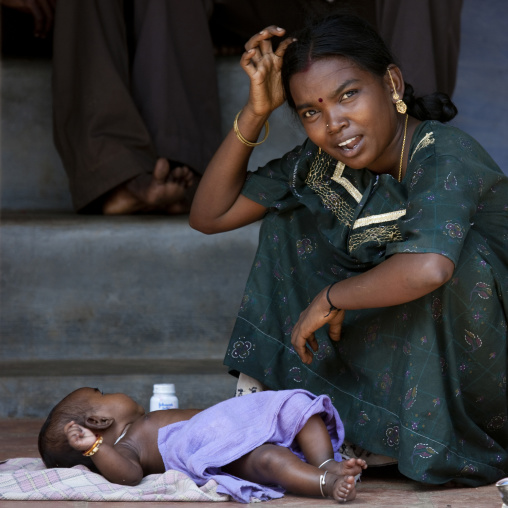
(162, 191)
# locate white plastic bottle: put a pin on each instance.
(163, 397)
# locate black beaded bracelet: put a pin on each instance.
(332, 306)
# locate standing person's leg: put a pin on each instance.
(425, 37)
(98, 130)
(174, 80)
(107, 151)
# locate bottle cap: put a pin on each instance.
(164, 388)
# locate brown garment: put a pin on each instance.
(424, 36)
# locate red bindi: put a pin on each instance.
(320, 100)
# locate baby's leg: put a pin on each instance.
(315, 443)
(272, 464)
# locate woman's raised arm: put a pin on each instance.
(218, 204)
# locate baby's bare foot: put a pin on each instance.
(341, 488)
(346, 467)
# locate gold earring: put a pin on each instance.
(399, 103)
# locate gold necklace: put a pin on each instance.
(402, 152)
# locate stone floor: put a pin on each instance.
(379, 488)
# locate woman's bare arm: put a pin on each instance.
(218, 204)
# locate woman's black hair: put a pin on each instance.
(352, 37)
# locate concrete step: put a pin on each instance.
(90, 297)
(121, 286)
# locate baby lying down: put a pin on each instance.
(255, 446)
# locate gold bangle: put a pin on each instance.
(93, 449)
(242, 139)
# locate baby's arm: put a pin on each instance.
(116, 465)
(79, 437)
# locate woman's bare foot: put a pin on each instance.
(341, 488)
(163, 191)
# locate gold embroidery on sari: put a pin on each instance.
(425, 141)
(343, 211)
(380, 234)
(337, 177)
(376, 219)
(321, 186)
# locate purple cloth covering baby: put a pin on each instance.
(225, 432)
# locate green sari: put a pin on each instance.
(423, 382)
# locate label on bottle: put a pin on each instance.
(166, 405)
(160, 402)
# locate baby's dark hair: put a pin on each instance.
(54, 448)
(352, 37)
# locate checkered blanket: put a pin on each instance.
(28, 479)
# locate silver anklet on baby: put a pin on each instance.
(325, 462)
(322, 482)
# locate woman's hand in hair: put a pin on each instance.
(263, 65)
